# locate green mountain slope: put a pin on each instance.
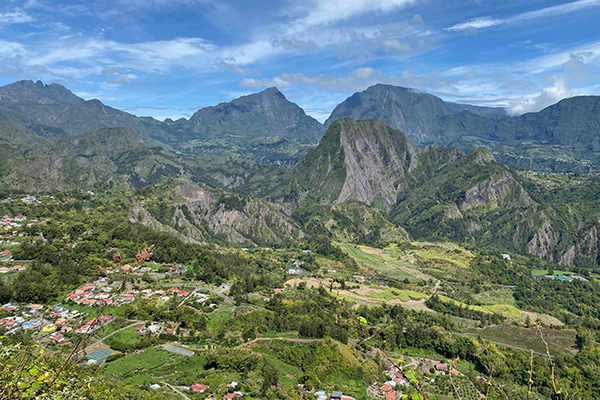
(440, 193)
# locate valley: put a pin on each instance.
(250, 252)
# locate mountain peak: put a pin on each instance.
(38, 92)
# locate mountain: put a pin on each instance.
(264, 126)
(356, 160)
(562, 137)
(53, 111)
(416, 113)
(92, 161)
(264, 114)
(440, 193)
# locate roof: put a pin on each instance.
(390, 395)
(198, 387)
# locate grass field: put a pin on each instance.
(440, 251)
(144, 361)
(387, 266)
(559, 340)
(506, 310)
(403, 295)
(124, 336)
(501, 296)
(538, 272)
(217, 318)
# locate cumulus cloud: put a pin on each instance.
(536, 102)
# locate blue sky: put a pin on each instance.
(167, 58)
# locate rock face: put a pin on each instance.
(544, 242)
(357, 160)
(205, 214)
(491, 193)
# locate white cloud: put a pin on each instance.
(474, 24)
(113, 70)
(359, 79)
(15, 17)
(323, 12)
(536, 102)
(560, 10)
(557, 10)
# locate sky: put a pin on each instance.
(168, 58)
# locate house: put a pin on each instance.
(4, 270)
(454, 372)
(321, 395)
(441, 367)
(336, 395)
(278, 291)
(57, 337)
(391, 395)
(18, 268)
(386, 388)
(155, 386)
(199, 388)
(233, 395)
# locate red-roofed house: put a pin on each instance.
(199, 388)
(386, 388)
(57, 337)
(278, 291)
(183, 293)
(441, 367)
(391, 395)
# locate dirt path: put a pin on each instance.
(175, 390)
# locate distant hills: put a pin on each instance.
(264, 126)
(268, 128)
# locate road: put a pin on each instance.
(174, 389)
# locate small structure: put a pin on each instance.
(199, 388)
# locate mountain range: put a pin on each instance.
(364, 181)
(268, 128)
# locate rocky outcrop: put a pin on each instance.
(544, 242)
(233, 218)
(492, 193)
